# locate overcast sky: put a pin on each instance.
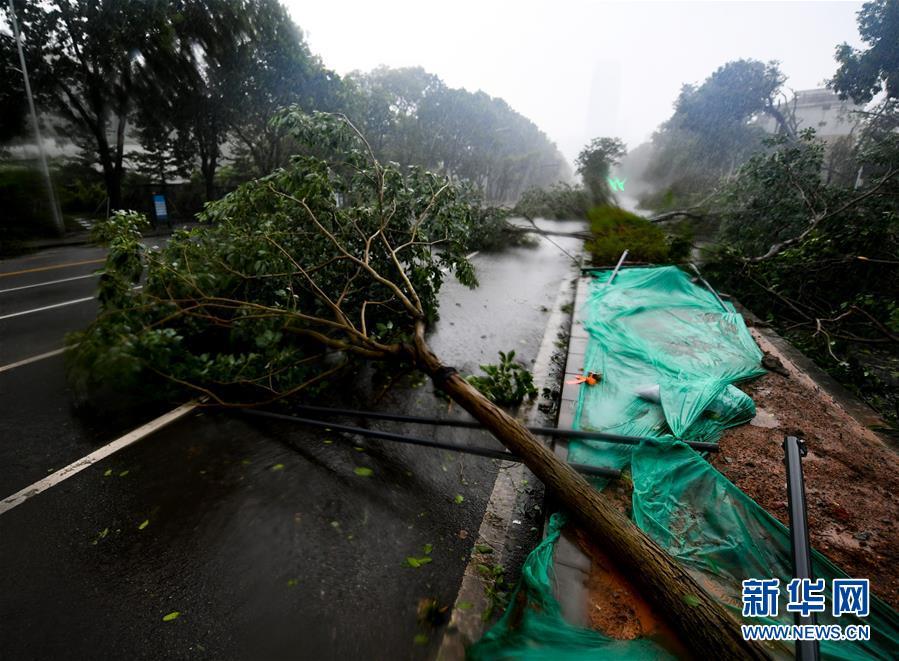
(579, 69)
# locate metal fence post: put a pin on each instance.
(794, 451)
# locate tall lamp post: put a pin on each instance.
(51, 193)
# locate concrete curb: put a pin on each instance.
(571, 567)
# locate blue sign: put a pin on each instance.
(159, 207)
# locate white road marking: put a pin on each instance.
(32, 359)
(55, 305)
(46, 307)
(85, 462)
(51, 282)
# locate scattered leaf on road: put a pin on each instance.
(421, 639)
(108, 472)
(124, 473)
(278, 467)
(459, 499)
(417, 562)
(362, 471)
(291, 582)
(171, 616)
(691, 600)
(483, 548)
(144, 524)
(428, 548)
(465, 605)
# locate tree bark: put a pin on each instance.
(702, 623)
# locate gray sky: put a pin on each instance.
(579, 69)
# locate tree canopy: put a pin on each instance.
(412, 116)
(196, 83)
(294, 276)
(863, 74)
(710, 132)
(594, 163)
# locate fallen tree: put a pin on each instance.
(299, 275)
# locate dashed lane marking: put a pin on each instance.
(32, 359)
(48, 283)
(46, 307)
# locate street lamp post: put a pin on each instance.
(54, 207)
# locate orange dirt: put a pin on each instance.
(616, 608)
(851, 476)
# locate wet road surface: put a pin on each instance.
(260, 534)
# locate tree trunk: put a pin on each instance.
(111, 177)
(701, 622)
(208, 166)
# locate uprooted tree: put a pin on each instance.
(300, 274)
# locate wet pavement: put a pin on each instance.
(262, 535)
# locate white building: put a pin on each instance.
(819, 109)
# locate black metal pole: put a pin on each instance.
(542, 431)
(593, 471)
(794, 451)
(709, 287)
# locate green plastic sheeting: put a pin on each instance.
(669, 354)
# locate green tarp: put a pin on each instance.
(669, 355)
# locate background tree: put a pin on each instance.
(413, 117)
(594, 164)
(863, 74)
(711, 131)
(87, 58)
(13, 107)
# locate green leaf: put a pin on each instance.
(291, 582)
(417, 562)
(108, 472)
(171, 616)
(124, 473)
(483, 548)
(421, 639)
(464, 606)
(362, 471)
(144, 524)
(278, 467)
(458, 499)
(427, 548)
(691, 600)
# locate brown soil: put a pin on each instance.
(615, 606)
(851, 476)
